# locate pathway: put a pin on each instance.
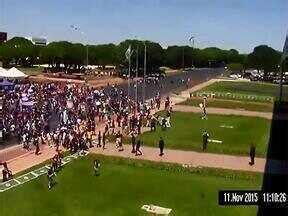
(223, 111)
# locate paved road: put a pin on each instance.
(169, 83)
(165, 86)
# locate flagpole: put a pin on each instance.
(144, 75)
(129, 74)
(136, 92)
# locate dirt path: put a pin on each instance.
(223, 111)
(197, 159)
(189, 158)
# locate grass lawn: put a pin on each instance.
(231, 104)
(124, 186)
(32, 70)
(246, 88)
(187, 128)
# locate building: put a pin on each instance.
(3, 37)
(38, 41)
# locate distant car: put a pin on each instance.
(235, 76)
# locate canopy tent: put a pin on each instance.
(13, 73)
(2, 72)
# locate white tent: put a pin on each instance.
(2, 72)
(13, 73)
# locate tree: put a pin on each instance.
(154, 54)
(103, 54)
(72, 56)
(19, 51)
(264, 58)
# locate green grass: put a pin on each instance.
(124, 186)
(246, 88)
(231, 104)
(187, 128)
(32, 71)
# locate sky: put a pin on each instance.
(227, 24)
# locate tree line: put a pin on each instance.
(22, 52)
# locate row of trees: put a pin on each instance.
(21, 51)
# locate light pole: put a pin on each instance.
(75, 28)
(192, 39)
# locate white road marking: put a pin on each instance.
(18, 182)
(34, 174)
(227, 126)
(42, 170)
(215, 141)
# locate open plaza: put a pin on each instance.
(127, 108)
(125, 186)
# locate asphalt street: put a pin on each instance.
(167, 84)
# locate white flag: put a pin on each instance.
(128, 52)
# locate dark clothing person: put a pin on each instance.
(153, 125)
(37, 150)
(99, 139)
(104, 140)
(163, 123)
(252, 155)
(133, 142)
(161, 146)
(138, 145)
(205, 137)
(50, 175)
(96, 167)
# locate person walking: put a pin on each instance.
(133, 142)
(96, 167)
(104, 140)
(252, 154)
(205, 137)
(161, 146)
(50, 176)
(138, 145)
(99, 139)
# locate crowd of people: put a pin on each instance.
(74, 117)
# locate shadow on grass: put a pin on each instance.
(276, 177)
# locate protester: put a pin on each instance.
(161, 146)
(205, 137)
(138, 145)
(252, 154)
(96, 167)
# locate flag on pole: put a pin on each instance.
(191, 38)
(128, 52)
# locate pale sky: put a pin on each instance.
(239, 24)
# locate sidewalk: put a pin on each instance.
(223, 111)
